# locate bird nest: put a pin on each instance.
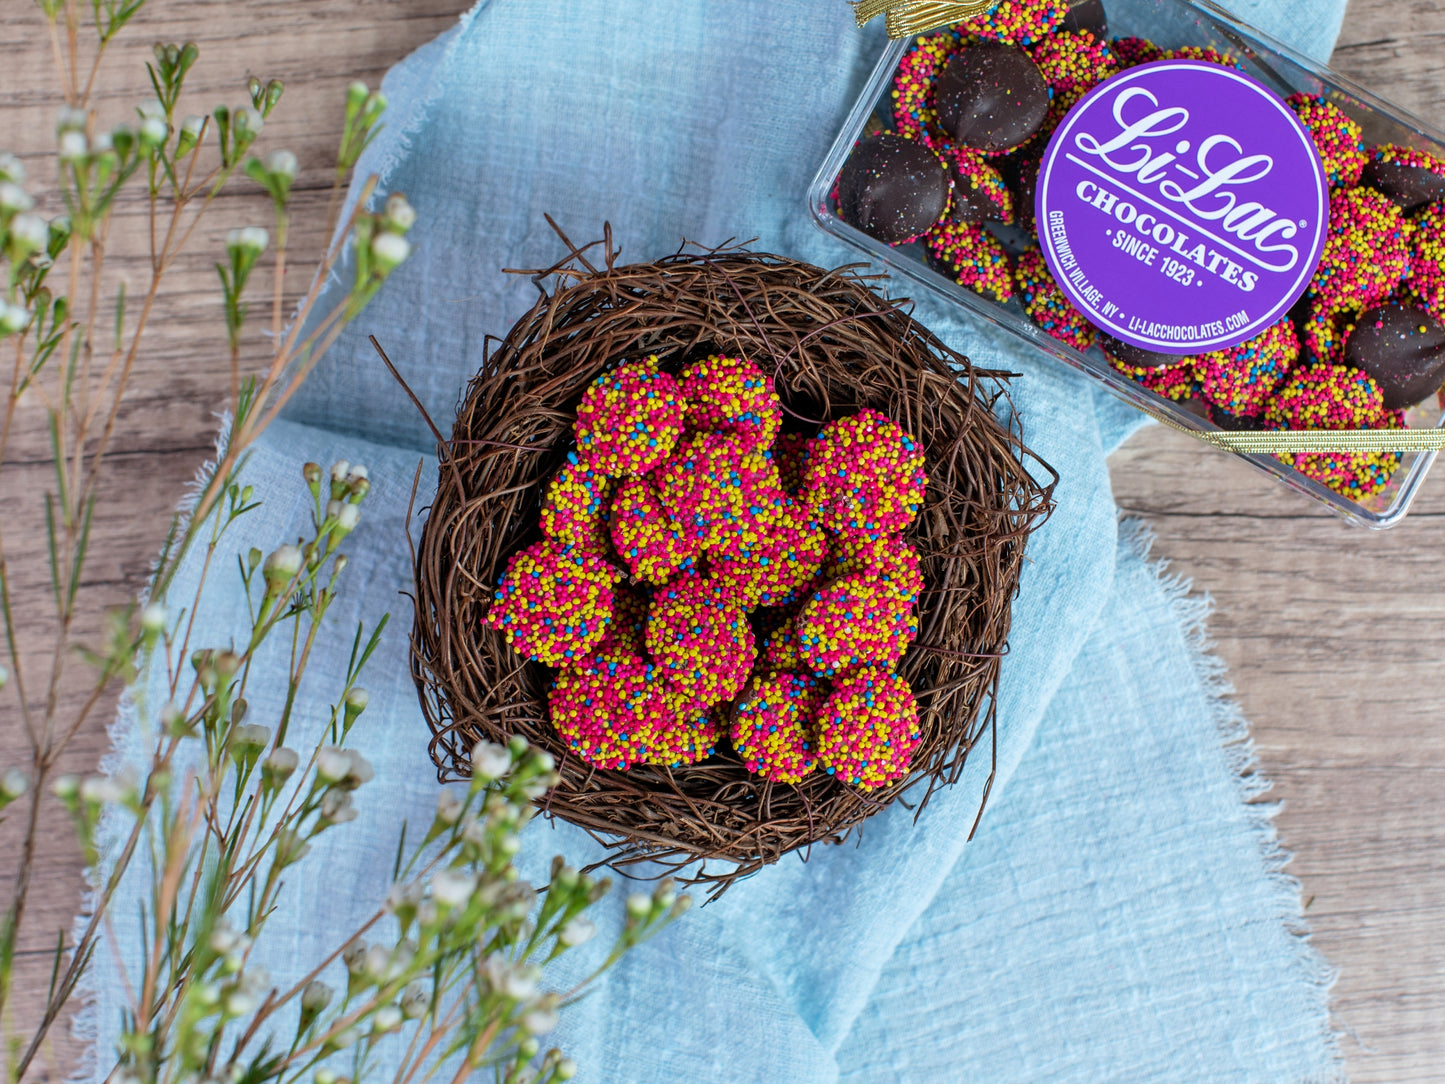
(833, 346)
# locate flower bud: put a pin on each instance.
(540, 1021)
(399, 214)
(315, 996)
(73, 146)
(339, 470)
(14, 198)
(489, 761)
(69, 119)
(278, 766)
(11, 168)
(28, 233)
(153, 132)
(355, 702)
(387, 1019)
(13, 318)
(249, 240)
(639, 905)
(190, 134)
(281, 164)
(665, 893)
(332, 764)
(251, 736)
(13, 783)
(356, 94)
(247, 119)
(153, 619)
(343, 1039)
(566, 1069)
(453, 887)
(312, 473)
(449, 807)
(578, 931)
(336, 807)
(356, 471)
(389, 250)
(66, 787)
(376, 963)
(354, 957)
(414, 1001)
(359, 771)
(151, 109)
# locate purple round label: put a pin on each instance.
(1182, 206)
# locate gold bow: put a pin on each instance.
(909, 17)
(1298, 441)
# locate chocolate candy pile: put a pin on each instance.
(973, 108)
(703, 573)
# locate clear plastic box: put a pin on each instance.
(1169, 24)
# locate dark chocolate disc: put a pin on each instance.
(1137, 356)
(1408, 186)
(892, 188)
(1086, 15)
(1402, 349)
(991, 96)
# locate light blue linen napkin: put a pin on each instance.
(705, 121)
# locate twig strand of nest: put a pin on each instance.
(834, 347)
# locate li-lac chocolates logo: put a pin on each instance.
(1182, 206)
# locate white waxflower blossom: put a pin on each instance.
(578, 931)
(251, 735)
(360, 770)
(153, 618)
(14, 198)
(249, 239)
(449, 806)
(357, 471)
(357, 699)
(387, 1018)
(399, 212)
(105, 142)
(339, 470)
(414, 1001)
(453, 887)
(539, 1021)
(29, 231)
(336, 807)
(13, 783)
(521, 981)
(151, 109)
(347, 515)
(566, 1069)
(153, 131)
(332, 764)
(639, 904)
(192, 125)
(280, 763)
(376, 963)
(11, 168)
(100, 790)
(344, 1038)
(315, 996)
(13, 318)
(283, 163)
(65, 787)
(389, 250)
(226, 940)
(73, 146)
(354, 956)
(490, 761)
(68, 119)
(248, 119)
(284, 561)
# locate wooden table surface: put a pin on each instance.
(1333, 635)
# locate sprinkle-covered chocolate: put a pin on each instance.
(1408, 176)
(1072, 64)
(971, 256)
(574, 510)
(647, 539)
(1240, 379)
(1427, 260)
(1367, 252)
(553, 604)
(1046, 304)
(868, 728)
(855, 621)
(1131, 52)
(773, 558)
(1336, 397)
(914, 112)
(979, 192)
(865, 475)
(991, 96)
(606, 712)
(1339, 140)
(892, 188)
(629, 420)
(1402, 348)
(731, 395)
(699, 643)
(1204, 53)
(1019, 22)
(771, 723)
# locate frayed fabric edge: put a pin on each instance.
(1192, 611)
(126, 744)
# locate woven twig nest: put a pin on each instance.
(833, 347)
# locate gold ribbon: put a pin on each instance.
(1300, 441)
(908, 17)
